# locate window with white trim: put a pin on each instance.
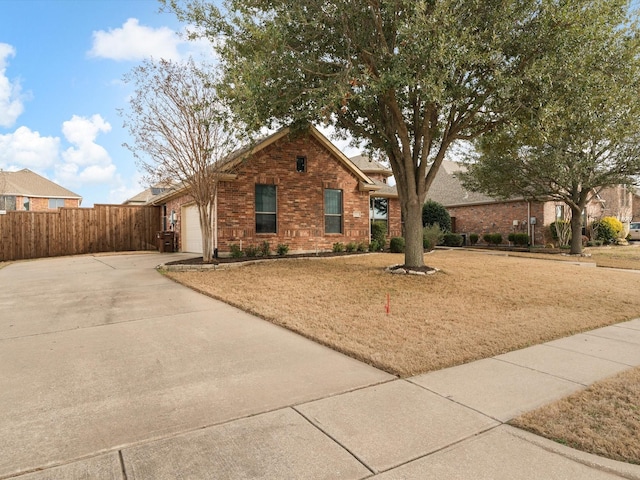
(332, 211)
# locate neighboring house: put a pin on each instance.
(25, 190)
(635, 206)
(477, 213)
(145, 197)
(295, 190)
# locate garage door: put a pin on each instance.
(191, 234)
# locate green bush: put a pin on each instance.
(282, 249)
(397, 245)
(473, 238)
(351, 247)
(362, 247)
(521, 239)
(379, 234)
(452, 240)
(251, 251)
(492, 238)
(431, 236)
(374, 246)
(338, 247)
(607, 229)
(235, 251)
(435, 213)
(265, 249)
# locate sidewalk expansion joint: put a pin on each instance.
(452, 400)
(122, 466)
(541, 372)
(336, 441)
(564, 349)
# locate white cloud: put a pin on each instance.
(135, 42)
(11, 106)
(27, 149)
(85, 162)
(125, 190)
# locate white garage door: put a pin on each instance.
(190, 230)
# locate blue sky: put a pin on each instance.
(61, 69)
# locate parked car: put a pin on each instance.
(634, 230)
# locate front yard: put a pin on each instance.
(477, 306)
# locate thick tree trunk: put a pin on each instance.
(576, 231)
(414, 250)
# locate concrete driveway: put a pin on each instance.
(99, 353)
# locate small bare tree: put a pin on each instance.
(181, 133)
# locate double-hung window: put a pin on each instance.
(56, 202)
(379, 211)
(266, 211)
(332, 211)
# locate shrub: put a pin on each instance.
(519, 238)
(351, 247)
(473, 238)
(265, 249)
(560, 230)
(282, 249)
(379, 233)
(235, 251)
(251, 251)
(492, 238)
(607, 229)
(362, 247)
(374, 246)
(435, 213)
(431, 236)
(397, 245)
(338, 247)
(452, 240)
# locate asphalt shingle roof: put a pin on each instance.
(29, 184)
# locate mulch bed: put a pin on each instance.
(219, 261)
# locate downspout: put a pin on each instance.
(532, 241)
(215, 225)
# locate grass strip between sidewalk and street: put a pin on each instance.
(604, 419)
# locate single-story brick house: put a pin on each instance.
(473, 212)
(26, 190)
(301, 191)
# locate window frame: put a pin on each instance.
(334, 215)
(57, 201)
(265, 213)
(12, 200)
(303, 159)
(372, 212)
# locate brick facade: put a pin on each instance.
(42, 204)
(299, 196)
(498, 217)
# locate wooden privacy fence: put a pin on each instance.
(74, 231)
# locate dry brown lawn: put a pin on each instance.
(477, 306)
(604, 419)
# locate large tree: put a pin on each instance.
(180, 133)
(407, 77)
(581, 133)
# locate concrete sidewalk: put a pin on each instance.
(110, 371)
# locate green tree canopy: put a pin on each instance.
(407, 77)
(580, 133)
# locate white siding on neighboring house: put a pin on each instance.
(191, 233)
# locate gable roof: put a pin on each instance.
(370, 166)
(239, 155)
(29, 184)
(447, 189)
